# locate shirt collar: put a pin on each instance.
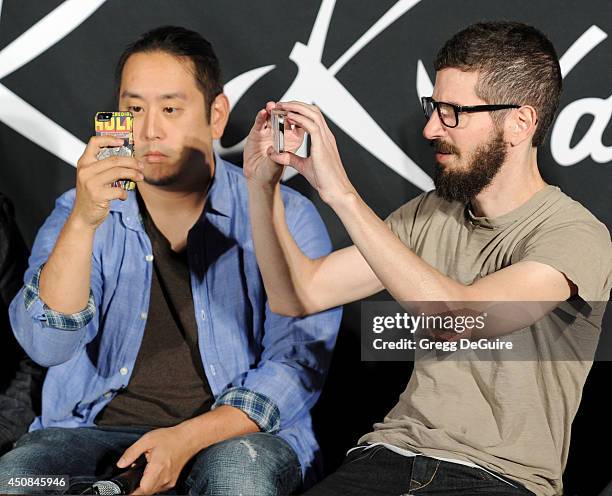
(220, 194)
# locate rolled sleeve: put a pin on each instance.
(260, 409)
(49, 337)
(296, 352)
(49, 317)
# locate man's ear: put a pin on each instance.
(521, 124)
(219, 114)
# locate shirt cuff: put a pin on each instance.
(50, 317)
(260, 409)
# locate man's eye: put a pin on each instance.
(135, 109)
(170, 110)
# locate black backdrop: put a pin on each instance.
(359, 61)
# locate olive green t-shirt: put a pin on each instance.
(510, 416)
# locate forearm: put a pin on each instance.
(224, 422)
(403, 273)
(286, 271)
(65, 278)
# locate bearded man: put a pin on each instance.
(493, 230)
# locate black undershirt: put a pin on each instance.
(168, 384)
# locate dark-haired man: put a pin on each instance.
(150, 312)
(493, 230)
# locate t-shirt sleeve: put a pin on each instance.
(580, 249)
(401, 221)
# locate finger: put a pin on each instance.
(310, 111)
(115, 174)
(117, 161)
(149, 483)
(96, 143)
(270, 106)
(260, 120)
(297, 130)
(287, 158)
(294, 137)
(131, 454)
(115, 193)
(304, 122)
(96, 168)
(270, 151)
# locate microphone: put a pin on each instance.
(123, 483)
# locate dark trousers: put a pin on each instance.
(380, 471)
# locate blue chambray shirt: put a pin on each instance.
(272, 367)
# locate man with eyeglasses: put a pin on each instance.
(493, 230)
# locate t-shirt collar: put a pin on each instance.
(521, 212)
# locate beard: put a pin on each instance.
(163, 180)
(160, 174)
(182, 169)
(463, 185)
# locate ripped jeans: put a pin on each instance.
(257, 464)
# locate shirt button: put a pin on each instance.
(108, 394)
(149, 258)
(143, 315)
(213, 371)
(123, 370)
(203, 314)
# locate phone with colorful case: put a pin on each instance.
(117, 125)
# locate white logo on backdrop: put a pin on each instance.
(19, 114)
(317, 84)
(591, 143)
(314, 83)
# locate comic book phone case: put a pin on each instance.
(119, 125)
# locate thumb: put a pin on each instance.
(260, 120)
(131, 454)
(287, 158)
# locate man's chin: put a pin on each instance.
(451, 162)
(160, 180)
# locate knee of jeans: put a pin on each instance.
(236, 467)
(13, 466)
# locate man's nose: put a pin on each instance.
(152, 127)
(434, 128)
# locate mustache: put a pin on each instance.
(443, 147)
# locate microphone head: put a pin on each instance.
(107, 488)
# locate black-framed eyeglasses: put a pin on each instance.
(449, 112)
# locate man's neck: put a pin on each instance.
(171, 203)
(175, 210)
(516, 182)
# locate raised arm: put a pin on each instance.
(65, 278)
(295, 284)
(402, 272)
(62, 282)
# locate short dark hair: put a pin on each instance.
(516, 63)
(179, 42)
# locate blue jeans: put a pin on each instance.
(253, 465)
(379, 471)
